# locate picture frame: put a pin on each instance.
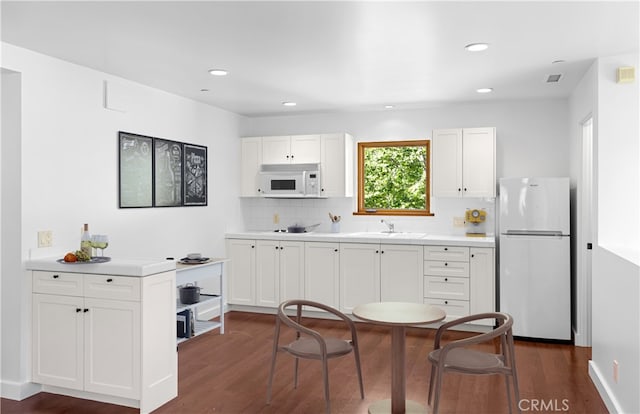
(195, 175)
(167, 173)
(135, 170)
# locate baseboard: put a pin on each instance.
(19, 390)
(603, 389)
(580, 340)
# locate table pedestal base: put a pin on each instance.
(384, 406)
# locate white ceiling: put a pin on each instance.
(330, 56)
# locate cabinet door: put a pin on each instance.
(251, 158)
(321, 282)
(291, 270)
(359, 274)
(401, 273)
(241, 271)
(112, 347)
(58, 341)
(276, 150)
(336, 165)
(482, 281)
(478, 162)
(447, 162)
(305, 149)
(267, 273)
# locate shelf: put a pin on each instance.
(204, 299)
(201, 328)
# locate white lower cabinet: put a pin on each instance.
(460, 280)
(242, 271)
(379, 272)
(322, 273)
(88, 335)
(265, 272)
(279, 270)
(359, 275)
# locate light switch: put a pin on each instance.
(45, 238)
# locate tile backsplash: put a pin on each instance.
(259, 214)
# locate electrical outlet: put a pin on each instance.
(276, 218)
(458, 222)
(615, 370)
(45, 238)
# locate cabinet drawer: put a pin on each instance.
(446, 253)
(112, 287)
(57, 283)
(453, 308)
(453, 269)
(438, 287)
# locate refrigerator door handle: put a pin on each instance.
(552, 233)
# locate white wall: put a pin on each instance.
(69, 171)
(532, 140)
(616, 260)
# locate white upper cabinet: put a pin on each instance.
(464, 162)
(334, 153)
(336, 165)
(296, 149)
(250, 160)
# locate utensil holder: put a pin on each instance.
(335, 227)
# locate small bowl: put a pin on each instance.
(194, 256)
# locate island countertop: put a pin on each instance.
(136, 267)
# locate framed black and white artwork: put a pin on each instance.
(135, 170)
(195, 175)
(167, 172)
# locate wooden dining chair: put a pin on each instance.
(458, 356)
(310, 344)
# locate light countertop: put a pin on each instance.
(423, 239)
(117, 266)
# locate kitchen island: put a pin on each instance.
(105, 331)
(343, 270)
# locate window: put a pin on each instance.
(393, 178)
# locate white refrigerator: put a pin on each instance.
(534, 256)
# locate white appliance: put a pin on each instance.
(534, 256)
(290, 180)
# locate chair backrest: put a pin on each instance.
(296, 323)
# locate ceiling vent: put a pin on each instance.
(554, 78)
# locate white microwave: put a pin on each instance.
(290, 180)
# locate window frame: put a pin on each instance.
(393, 212)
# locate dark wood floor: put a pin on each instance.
(228, 374)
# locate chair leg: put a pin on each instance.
(276, 337)
(431, 381)
(506, 380)
(359, 370)
(295, 372)
(325, 377)
(438, 386)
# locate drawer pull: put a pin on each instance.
(446, 279)
(377, 251)
(109, 280)
(56, 276)
(78, 310)
(86, 310)
(446, 302)
(277, 247)
(446, 264)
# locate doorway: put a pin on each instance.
(585, 237)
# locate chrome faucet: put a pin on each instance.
(391, 226)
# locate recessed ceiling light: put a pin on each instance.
(476, 47)
(484, 90)
(557, 61)
(289, 103)
(218, 72)
(204, 90)
(388, 107)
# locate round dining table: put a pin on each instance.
(398, 315)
